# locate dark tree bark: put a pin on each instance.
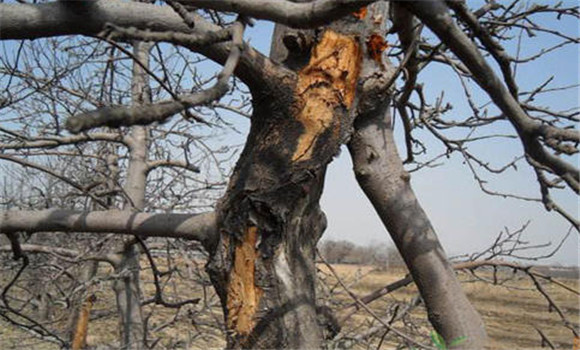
(270, 220)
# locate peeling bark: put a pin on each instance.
(243, 293)
(269, 221)
(326, 83)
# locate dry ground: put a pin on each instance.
(511, 312)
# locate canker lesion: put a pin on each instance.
(326, 83)
(243, 293)
(82, 325)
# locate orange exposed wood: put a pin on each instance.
(375, 47)
(360, 13)
(243, 294)
(82, 326)
(326, 83)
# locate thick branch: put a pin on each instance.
(198, 227)
(380, 173)
(295, 14)
(27, 21)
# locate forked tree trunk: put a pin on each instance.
(269, 220)
(380, 173)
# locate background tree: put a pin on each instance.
(326, 83)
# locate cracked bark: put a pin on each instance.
(269, 221)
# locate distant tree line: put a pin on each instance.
(346, 252)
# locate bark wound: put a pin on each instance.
(328, 82)
(243, 294)
(82, 327)
(361, 13)
(376, 44)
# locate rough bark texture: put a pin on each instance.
(380, 173)
(269, 220)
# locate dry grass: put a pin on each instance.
(511, 313)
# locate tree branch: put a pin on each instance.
(27, 21)
(435, 15)
(64, 253)
(159, 112)
(295, 14)
(198, 227)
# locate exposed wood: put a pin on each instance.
(82, 326)
(243, 293)
(326, 83)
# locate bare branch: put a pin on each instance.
(434, 14)
(158, 112)
(294, 14)
(199, 227)
(27, 21)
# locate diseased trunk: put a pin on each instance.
(88, 271)
(270, 220)
(263, 268)
(380, 173)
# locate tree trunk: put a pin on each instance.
(380, 173)
(269, 221)
(127, 289)
(128, 297)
